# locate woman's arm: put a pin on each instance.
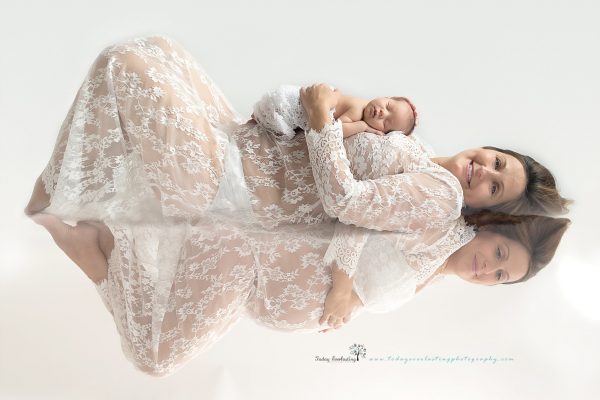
(406, 202)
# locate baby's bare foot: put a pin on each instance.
(80, 243)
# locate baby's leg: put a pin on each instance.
(280, 112)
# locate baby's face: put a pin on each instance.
(386, 115)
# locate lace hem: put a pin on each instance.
(345, 247)
(102, 288)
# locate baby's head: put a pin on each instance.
(388, 114)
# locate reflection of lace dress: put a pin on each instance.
(214, 219)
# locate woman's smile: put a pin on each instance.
(469, 173)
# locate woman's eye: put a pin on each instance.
(494, 189)
(498, 253)
(498, 275)
(497, 164)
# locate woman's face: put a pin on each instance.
(489, 259)
(487, 177)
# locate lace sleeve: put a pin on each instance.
(383, 280)
(345, 247)
(409, 201)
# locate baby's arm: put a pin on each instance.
(351, 117)
(352, 128)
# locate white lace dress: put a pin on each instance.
(214, 219)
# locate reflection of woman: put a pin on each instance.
(280, 280)
(151, 148)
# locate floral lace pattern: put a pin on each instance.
(280, 112)
(387, 184)
(192, 196)
(421, 197)
(135, 142)
(346, 247)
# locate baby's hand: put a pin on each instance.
(373, 130)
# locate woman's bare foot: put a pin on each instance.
(106, 240)
(81, 243)
(39, 198)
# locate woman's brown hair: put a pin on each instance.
(540, 196)
(539, 235)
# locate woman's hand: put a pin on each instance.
(318, 98)
(339, 305)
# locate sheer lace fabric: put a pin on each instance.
(424, 195)
(390, 184)
(137, 142)
(280, 112)
(214, 219)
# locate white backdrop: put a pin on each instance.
(516, 74)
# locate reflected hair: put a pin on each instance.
(540, 235)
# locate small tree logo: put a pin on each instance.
(358, 350)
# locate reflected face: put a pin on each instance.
(487, 177)
(386, 115)
(489, 259)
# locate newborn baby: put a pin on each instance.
(280, 112)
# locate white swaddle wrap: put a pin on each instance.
(280, 111)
